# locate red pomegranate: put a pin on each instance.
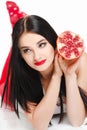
(70, 45)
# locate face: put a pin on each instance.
(37, 52)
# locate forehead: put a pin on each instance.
(30, 38)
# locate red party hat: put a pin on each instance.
(14, 12)
(3, 78)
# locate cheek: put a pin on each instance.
(28, 60)
(50, 52)
(51, 57)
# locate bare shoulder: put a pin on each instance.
(85, 56)
(82, 75)
(83, 61)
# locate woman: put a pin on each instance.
(40, 78)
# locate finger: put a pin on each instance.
(56, 59)
(61, 59)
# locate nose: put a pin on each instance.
(36, 55)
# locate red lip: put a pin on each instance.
(40, 63)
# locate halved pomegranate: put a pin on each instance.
(70, 45)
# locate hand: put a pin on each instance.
(69, 66)
(57, 68)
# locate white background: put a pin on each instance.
(61, 14)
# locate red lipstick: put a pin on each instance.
(40, 62)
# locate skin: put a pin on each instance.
(35, 48)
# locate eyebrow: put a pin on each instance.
(36, 43)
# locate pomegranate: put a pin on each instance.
(70, 45)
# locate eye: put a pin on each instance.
(26, 50)
(41, 45)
